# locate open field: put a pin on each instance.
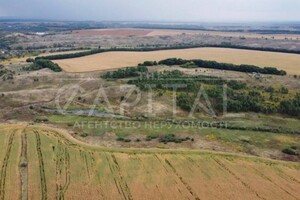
(58, 166)
(112, 60)
(166, 32)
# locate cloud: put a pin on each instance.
(166, 10)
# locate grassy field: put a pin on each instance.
(112, 60)
(260, 143)
(58, 166)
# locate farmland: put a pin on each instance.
(59, 166)
(164, 32)
(221, 124)
(112, 60)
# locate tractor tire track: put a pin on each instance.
(187, 186)
(62, 164)
(270, 180)
(286, 177)
(41, 167)
(4, 165)
(223, 166)
(120, 183)
(84, 157)
(23, 165)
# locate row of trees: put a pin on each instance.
(41, 64)
(217, 65)
(177, 46)
(126, 73)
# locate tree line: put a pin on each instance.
(217, 65)
(41, 64)
(125, 73)
(177, 46)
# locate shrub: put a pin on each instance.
(83, 134)
(172, 138)
(151, 137)
(284, 90)
(120, 139)
(42, 64)
(289, 151)
(270, 89)
(237, 85)
(41, 119)
(30, 60)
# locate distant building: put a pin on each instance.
(256, 75)
(40, 33)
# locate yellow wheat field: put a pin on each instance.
(45, 163)
(113, 60)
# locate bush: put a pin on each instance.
(7, 74)
(185, 102)
(284, 90)
(291, 107)
(42, 64)
(289, 151)
(237, 85)
(84, 135)
(120, 139)
(41, 119)
(151, 137)
(172, 138)
(270, 89)
(30, 60)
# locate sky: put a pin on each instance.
(154, 10)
